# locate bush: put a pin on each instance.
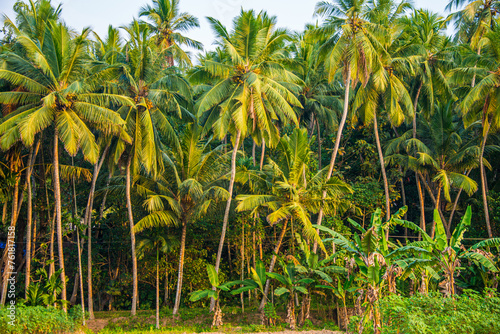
(36, 320)
(470, 313)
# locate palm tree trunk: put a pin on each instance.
(81, 274)
(132, 237)
(181, 268)
(336, 146)
(88, 222)
(382, 169)
(32, 157)
(319, 145)
(486, 128)
(57, 194)
(419, 186)
(271, 266)
(262, 154)
(253, 152)
(157, 288)
(103, 204)
(242, 272)
(228, 203)
(228, 207)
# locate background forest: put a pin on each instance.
(129, 168)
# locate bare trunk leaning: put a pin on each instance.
(336, 146)
(382, 169)
(271, 266)
(132, 236)
(181, 269)
(57, 194)
(228, 207)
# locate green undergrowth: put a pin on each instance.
(197, 320)
(470, 313)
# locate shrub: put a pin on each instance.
(470, 313)
(36, 320)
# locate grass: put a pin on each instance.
(197, 320)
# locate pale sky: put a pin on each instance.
(98, 14)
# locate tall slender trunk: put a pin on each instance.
(271, 266)
(486, 129)
(382, 169)
(103, 204)
(228, 206)
(403, 196)
(132, 237)
(242, 273)
(419, 186)
(88, 222)
(157, 288)
(181, 268)
(80, 273)
(52, 267)
(253, 152)
(32, 157)
(57, 194)
(262, 153)
(319, 145)
(336, 146)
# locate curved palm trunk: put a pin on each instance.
(132, 237)
(382, 169)
(486, 129)
(181, 269)
(228, 207)
(271, 266)
(57, 194)
(336, 146)
(81, 275)
(88, 222)
(319, 145)
(29, 227)
(419, 186)
(262, 154)
(157, 288)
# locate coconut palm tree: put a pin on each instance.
(156, 92)
(443, 155)
(481, 102)
(319, 98)
(57, 94)
(253, 88)
(167, 24)
(291, 195)
(425, 43)
(185, 191)
(351, 48)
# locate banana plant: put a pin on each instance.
(213, 292)
(340, 291)
(445, 255)
(291, 284)
(257, 282)
(378, 266)
(308, 265)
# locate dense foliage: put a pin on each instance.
(289, 165)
